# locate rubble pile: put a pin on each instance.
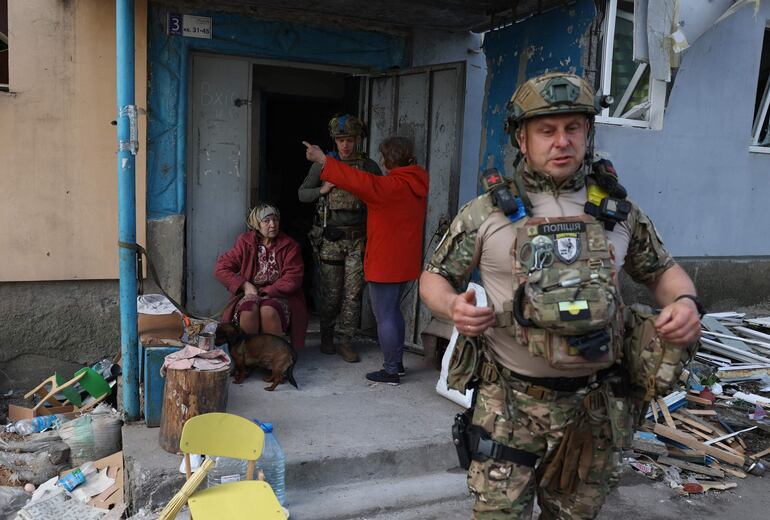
(715, 429)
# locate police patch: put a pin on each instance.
(567, 247)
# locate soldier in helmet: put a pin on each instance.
(338, 237)
(549, 244)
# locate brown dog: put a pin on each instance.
(258, 350)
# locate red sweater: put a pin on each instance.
(396, 205)
(240, 264)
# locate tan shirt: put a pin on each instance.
(468, 245)
(494, 241)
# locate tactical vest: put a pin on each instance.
(565, 304)
(339, 199)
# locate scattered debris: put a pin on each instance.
(716, 427)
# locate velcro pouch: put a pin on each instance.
(464, 363)
(652, 363)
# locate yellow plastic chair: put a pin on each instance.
(227, 435)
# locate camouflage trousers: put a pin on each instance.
(342, 283)
(581, 473)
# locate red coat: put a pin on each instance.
(396, 205)
(240, 264)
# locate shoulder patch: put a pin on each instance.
(475, 212)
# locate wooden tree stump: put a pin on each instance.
(188, 393)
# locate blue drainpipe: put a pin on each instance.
(127, 147)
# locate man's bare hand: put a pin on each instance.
(314, 153)
(326, 187)
(679, 322)
(471, 320)
(249, 288)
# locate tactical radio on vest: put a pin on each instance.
(497, 186)
(606, 196)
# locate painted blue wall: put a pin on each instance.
(168, 58)
(707, 194)
(553, 43)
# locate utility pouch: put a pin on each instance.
(333, 233)
(652, 363)
(621, 420)
(460, 437)
(314, 237)
(464, 364)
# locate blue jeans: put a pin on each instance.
(386, 303)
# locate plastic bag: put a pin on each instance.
(93, 436)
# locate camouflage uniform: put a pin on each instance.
(340, 261)
(569, 432)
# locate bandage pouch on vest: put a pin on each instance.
(570, 294)
(652, 363)
(464, 363)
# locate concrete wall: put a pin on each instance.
(58, 189)
(58, 174)
(55, 327)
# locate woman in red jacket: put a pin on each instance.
(396, 205)
(263, 272)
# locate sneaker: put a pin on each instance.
(383, 377)
(401, 369)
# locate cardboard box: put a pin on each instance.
(17, 413)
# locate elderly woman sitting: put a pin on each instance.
(263, 272)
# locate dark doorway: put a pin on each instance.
(288, 118)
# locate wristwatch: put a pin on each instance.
(698, 304)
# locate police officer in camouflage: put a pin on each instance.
(548, 244)
(338, 237)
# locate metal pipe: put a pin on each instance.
(127, 147)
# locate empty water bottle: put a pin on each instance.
(37, 424)
(273, 462)
(226, 470)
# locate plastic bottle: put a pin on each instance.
(37, 424)
(273, 462)
(226, 470)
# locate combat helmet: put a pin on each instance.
(346, 125)
(552, 93)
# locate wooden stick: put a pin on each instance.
(698, 400)
(689, 466)
(761, 454)
(692, 422)
(692, 442)
(666, 414)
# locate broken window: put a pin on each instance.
(760, 133)
(3, 44)
(638, 100)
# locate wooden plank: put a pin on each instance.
(761, 454)
(654, 410)
(692, 422)
(698, 400)
(666, 414)
(689, 466)
(692, 442)
(703, 412)
(731, 471)
(733, 449)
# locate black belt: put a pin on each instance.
(558, 384)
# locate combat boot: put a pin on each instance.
(345, 350)
(327, 342)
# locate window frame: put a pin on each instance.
(657, 87)
(762, 116)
